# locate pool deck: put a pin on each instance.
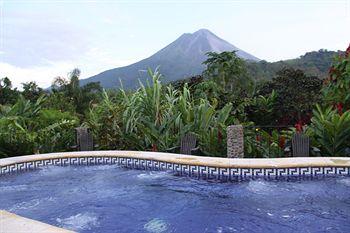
(12, 223)
(195, 160)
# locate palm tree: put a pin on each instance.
(79, 96)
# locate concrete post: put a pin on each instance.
(235, 141)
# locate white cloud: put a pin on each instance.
(104, 59)
(92, 62)
(43, 75)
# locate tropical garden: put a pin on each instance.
(157, 115)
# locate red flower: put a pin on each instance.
(339, 107)
(282, 142)
(258, 138)
(154, 148)
(347, 52)
(331, 70)
(219, 136)
(299, 126)
(326, 81)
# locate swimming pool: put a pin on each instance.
(110, 198)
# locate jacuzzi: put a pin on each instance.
(127, 191)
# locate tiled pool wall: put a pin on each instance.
(193, 168)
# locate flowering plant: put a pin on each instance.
(336, 88)
(261, 143)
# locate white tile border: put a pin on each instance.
(186, 164)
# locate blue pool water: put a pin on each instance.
(112, 199)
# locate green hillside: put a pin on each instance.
(314, 63)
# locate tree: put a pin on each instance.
(7, 94)
(228, 70)
(69, 92)
(297, 95)
(199, 88)
(260, 109)
(191, 82)
(31, 91)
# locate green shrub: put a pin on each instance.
(260, 143)
(336, 88)
(26, 128)
(330, 131)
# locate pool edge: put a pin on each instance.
(186, 163)
(10, 222)
(192, 160)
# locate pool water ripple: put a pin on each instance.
(109, 198)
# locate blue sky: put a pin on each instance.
(40, 40)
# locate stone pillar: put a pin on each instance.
(235, 141)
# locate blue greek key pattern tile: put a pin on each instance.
(197, 171)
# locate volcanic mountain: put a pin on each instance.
(180, 59)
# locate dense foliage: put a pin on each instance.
(337, 86)
(68, 94)
(156, 115)
(297, 94)
(27, 128)
(330, 126)
(331, 131)
(228, 70)
(7, 94)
